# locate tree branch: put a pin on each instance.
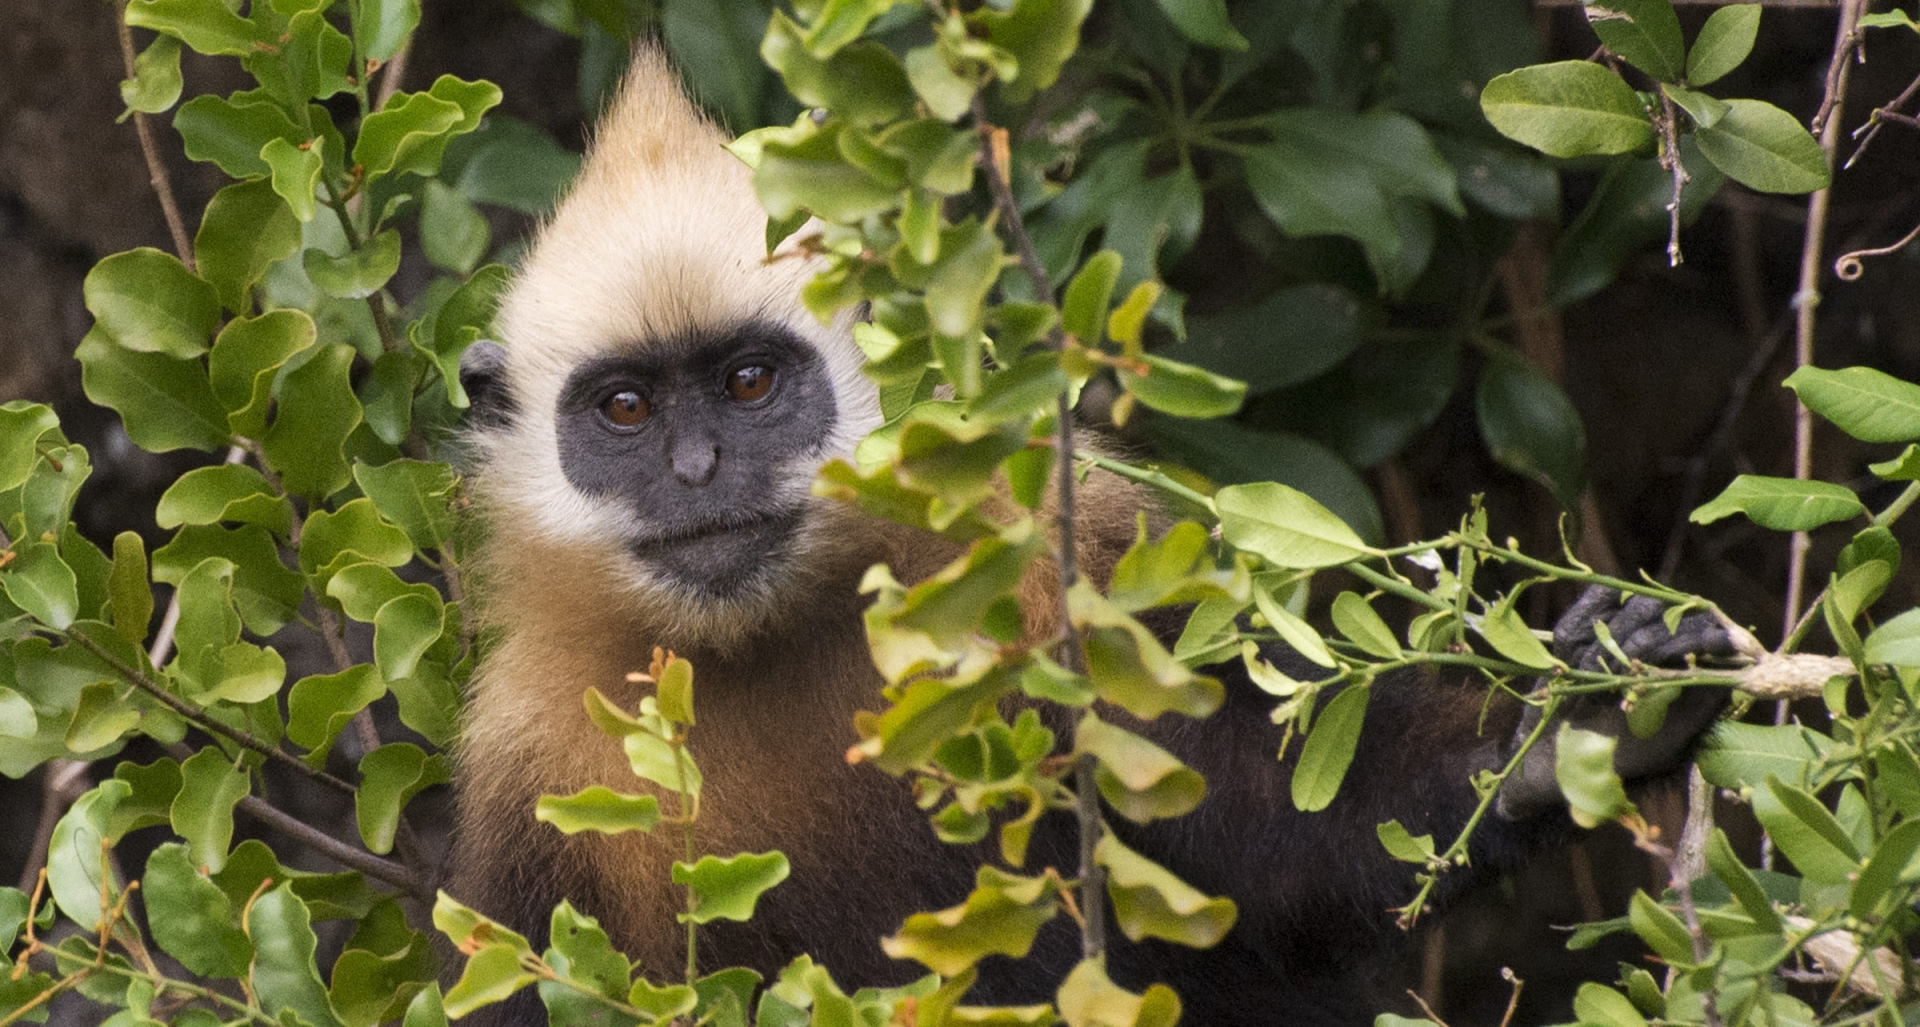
(198, 718)
(340, 852)
(150, 149)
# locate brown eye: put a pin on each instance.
(626, 408)
(749, 384)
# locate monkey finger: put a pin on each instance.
(1574, 629)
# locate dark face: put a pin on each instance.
(698, 437)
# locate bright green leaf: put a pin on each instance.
(1764, 148)
(1568, 109)
(1783, 504)
(726, 889)
(148, 302)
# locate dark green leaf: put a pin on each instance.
(296, 173)
(355, 274)
(1286, 338)
(1531, 427)
(1644, 33)
(452, 232)
(1329, 749)
(411, 132)
(381, 27)
(1205, 22)
(319, 706)
(232, 133)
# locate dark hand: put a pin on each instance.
(1640, 630)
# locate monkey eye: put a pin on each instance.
(750, 384)
(626, 408)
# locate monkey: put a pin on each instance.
(646, 430)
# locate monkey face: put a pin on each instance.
(707, 441)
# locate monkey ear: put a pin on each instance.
(483, 374)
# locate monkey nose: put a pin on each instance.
(694, 461)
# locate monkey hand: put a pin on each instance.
(1639, 629)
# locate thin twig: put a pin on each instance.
(150, 150)
(333, 848)
(62, 782)
(1849, 265)
(1890, 111)
(1670, 160)
(135, 677)
(993, 154)
(1807, 297)
(1722, 437)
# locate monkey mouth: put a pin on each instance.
(721, 556)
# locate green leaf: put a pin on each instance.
(862, 82)
(389, 777)
(206, 26)
(1507, 632)
(1583, 767)
(22, 425)
(148, 302)
(1806, 833)
(1883, 870)
(726, 889)
(491, 975)
(265, 592)
(296, 173)
(100, 717)
(415, 495)
(246, 228)
(1403, 845)
(1568, 109)
(155, 85)
(1723, 43)
(355, 274)
(426, 1009)
(1205, 22)
(1896, 641)
(1356, 619)
(1627, 215)
(211, 785)
(320, 705)
(410, 134)
(1531, 427)
(317, 412)
(1000, 917)
(1182, 390)
(1905, 467)
(1288, 337)
(1868, 404)
(1644, 33)
(1296, 632)
(1285, 527)
(17, 718)
(191, 918)
(1742, 756)
(1740, 881)
(1127, 665)
(1597, 1004)
(1150, 902)
(1783, 504)
(946, 92)
(1706, 111)
(599, 809)
(76, 857)
(283, 975)
(382, 969)
(247, 355)
(404, 628)
(1040, 34)
(381, 27)
(1088, 998)
(354, 528)
(1764, 148)
(1140, 780)
(466, 315)
(1329, 749)
(231, 134)
(225, 492)
(42, 584)
(452, 232)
